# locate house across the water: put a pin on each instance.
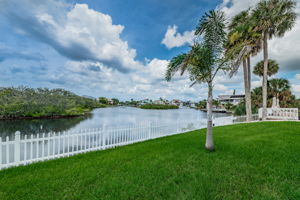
(233, 99)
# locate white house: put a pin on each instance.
(233, 99)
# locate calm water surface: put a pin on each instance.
(110, 117)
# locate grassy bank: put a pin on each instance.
(23, 103)
(252, 161)
(158, 106)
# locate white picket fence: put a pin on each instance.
(26, 149)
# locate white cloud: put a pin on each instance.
(174, 39)
(297, 76)
(156, 68)
(255, 84)
(220, 87)
(296, 88)
(76, 32)
(233, 7)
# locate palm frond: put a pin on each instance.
(174, 65)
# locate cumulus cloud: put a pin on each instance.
(76, 32)
(146, 83)
(174, 39)
(96, 54)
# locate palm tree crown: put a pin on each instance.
(278, 85)
(242, 41)
(274, 17)
(273, 67)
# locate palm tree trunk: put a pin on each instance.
(248, 92)
(209, 144)
(265, 76)
(246, 86)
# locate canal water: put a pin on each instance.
(110, 117)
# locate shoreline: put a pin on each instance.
(44, 117)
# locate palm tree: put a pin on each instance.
(242, 43)
(257, 97)
(273, 18)
(204, 60)
(277, 86)
(272, 68)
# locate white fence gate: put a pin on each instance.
(26, 149)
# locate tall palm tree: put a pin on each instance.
(273, 18)
(204, 60)
(242, 43)
(273, 68)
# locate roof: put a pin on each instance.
(238, 96)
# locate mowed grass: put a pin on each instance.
(251, 161)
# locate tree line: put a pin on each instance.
(24, 102)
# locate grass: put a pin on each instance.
(158, 106)
(251, 161)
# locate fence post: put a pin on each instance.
(103, 139)
(149, 131)
(17, 147)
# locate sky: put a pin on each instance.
(120, 48)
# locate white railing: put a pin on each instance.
(280, 113)
(26, 149)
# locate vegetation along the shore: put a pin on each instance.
(158, 106)
(23, 102)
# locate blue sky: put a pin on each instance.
(117, 48)
(146, 21)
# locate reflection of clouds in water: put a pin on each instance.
(110, 117)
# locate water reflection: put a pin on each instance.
(38, 126)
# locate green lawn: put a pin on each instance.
(251, 161)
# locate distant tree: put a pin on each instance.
(272, 68)
(280, 88)
(216, 103)
(277, 87)
(202, 104)
(228, 106)
(115, 101)
(103, 100)
(233, 92)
